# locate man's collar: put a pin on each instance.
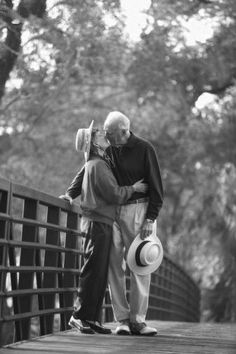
(132, 140)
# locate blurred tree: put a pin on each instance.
(74, 64)
(11, 31)
(71, 61)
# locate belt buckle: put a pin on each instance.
(140, 200)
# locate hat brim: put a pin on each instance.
(88, 146)
(148, 269)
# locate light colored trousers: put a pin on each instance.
(127, 226)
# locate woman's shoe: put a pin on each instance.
(98, 327)
(81, 325)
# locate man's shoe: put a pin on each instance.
(98, 327)
(141, 329)
(81, 325)
(123, 328)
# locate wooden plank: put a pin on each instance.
(173, 338)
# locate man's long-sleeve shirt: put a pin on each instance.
(133, 161)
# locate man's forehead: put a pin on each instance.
(111, 126)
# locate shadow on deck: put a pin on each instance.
(172, 338)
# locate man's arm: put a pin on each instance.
(153, 176)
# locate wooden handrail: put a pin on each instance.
(40, 262)
(45, 225)
(40, 246)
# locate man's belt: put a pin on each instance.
(137, 201)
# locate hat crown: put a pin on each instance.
(149, 253)
(145, 256)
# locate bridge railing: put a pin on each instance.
(40, 262)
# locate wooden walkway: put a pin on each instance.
(172, 338)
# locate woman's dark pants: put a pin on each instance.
(94, 273)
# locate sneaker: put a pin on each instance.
(81, 325)
(98, 327)
(123, 328)
(141, 329)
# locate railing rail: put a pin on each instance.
(40, 261)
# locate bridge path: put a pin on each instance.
(172, 338)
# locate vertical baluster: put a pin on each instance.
(69, 279)
(4, 234)
(3, 255)
(51, 260)
(39, 282)
(27, 258)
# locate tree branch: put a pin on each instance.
(14, 28)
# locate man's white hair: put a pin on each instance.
(117, 119)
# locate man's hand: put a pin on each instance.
(67, 198)
(147, 229)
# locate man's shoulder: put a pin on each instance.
(143, 142)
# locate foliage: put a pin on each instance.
(72, 67)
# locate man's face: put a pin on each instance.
(114, 135)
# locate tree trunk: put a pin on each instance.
(11, 47)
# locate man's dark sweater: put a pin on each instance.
(136, 160)
(131, 162)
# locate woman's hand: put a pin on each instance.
(67, 198)
(140, 186)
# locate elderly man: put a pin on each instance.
(133, 158)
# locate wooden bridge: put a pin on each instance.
(40, 260)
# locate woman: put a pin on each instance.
(100, 195)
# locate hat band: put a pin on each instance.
(137, 254)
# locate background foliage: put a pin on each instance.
(64, 63)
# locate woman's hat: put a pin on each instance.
(145, 256)
(83, 140)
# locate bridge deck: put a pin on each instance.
(173, 338)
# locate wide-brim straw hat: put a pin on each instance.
(83, 140)
(145, 256)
